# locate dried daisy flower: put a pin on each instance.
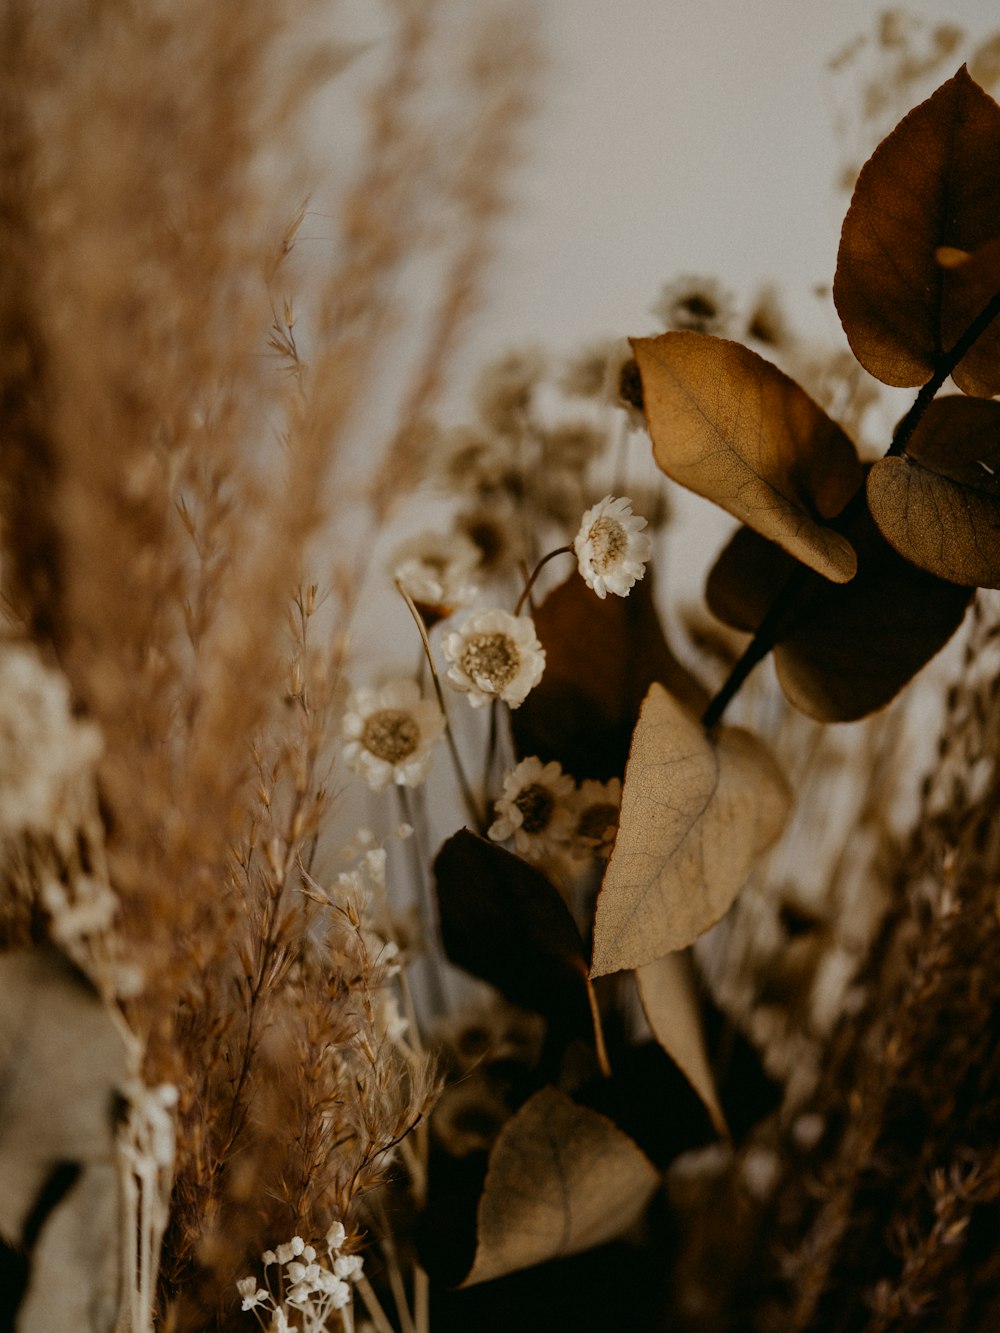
(505, 388)
(611, 548)
(495, 531)
(437, 569)
(608, 372)
(495, 656)
(390, 732)
(472, 462)
(595, 808)
(695, 305)
(534, 809)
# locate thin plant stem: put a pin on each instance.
(530, 583)
(373, 1305)
(478, 819)
(418, 869)
(421, 1299)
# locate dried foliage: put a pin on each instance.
(723, 1014)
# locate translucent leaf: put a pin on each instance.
(601, 658)
(732, 427)
(503, 921)
(666, 989)
(931, 185)
(696, 813)
(846, 651)
(561, 1179)
(62, 1066)
(939, 504)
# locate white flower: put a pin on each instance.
(595, 818)
(336, 1236)
(390, 732)
(290, 1250)
(437, 570)
(495, 656)
(611, 548)
(348, 1266)
(251, 1293)
(534, 808)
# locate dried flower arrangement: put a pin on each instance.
(615, 986)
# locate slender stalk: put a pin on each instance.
(418, 867)
(560, 550)
(373, 1305)
(421, 1300)
(478, 819)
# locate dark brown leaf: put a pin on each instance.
(503, 921)
(939, 504)
(732, 427)
(932, 184)
(600, 659)
(561, 1179)
(845, 651)
(696, 813)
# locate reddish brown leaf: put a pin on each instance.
(503, 921)
(939, 504)
(932, 184)
(601, 658)
(561, 1179)
(732, 427)
(666, 989)
(845, 651)
(696, 813)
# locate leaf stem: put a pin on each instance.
(949, 360)
(768, 632)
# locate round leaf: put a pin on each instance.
(696, 813)
(846, 651)
(939, 504)
(561, 1179)
(732, 427)
(931, 185)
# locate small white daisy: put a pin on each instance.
(534, 809)
(495, 656)
(611, 548)
(595, 807)
(390, 732)
(437, 570)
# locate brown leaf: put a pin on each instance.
(503, 921)
(939, 504)
(932, 184)
(845, 651)
(696, 813)
(666, 989)
(732, 427)
(600, 659)
(561, 1179)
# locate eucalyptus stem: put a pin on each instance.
(478, 819)
(771, 627)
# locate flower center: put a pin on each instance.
(536, 804)
(391, 734)
(492, 658)
(608, 541)
(596, 823)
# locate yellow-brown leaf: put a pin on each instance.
(735, 429)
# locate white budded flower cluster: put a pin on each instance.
(312, 1290)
